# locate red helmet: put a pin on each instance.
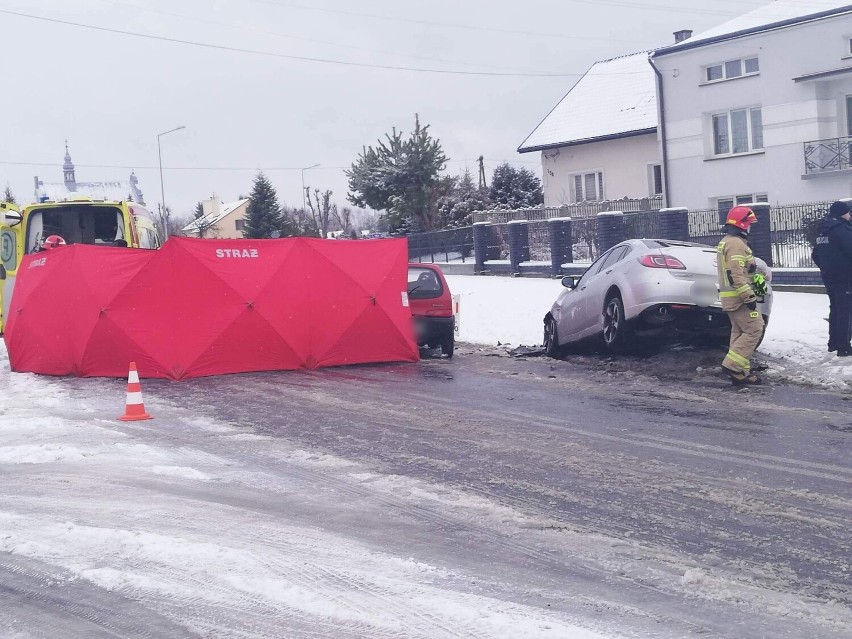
(742, 217)
(52, 241)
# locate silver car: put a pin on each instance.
(643, 287)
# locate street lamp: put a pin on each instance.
(162, 190)
(313, 166)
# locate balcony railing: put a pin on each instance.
(833, 154)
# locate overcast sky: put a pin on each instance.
(111, 93)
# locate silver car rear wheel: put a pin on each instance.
(615, 326)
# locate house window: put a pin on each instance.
(849, 115)
(655, 179)
(737, 131)
(240, 224)
(731, 69)
(587, 187)
(725, 204)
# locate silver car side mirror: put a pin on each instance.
(569, 282)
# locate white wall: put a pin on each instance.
(793, 113)
(624, 163)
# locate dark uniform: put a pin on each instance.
(833, 255)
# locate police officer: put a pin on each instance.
(736, 267)
(833, 255)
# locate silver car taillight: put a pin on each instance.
(661, 261)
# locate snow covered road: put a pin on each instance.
(486, 496)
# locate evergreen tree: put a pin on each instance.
(400, 176)
(264, 218)
(515, 188)
(457, 209)
(199, 211)
(8, 196)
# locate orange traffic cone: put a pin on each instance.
(134, 409)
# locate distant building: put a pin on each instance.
(219, 221)
(128, 191)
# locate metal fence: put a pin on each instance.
(705, 226)
(451, 245)
(578, 210)
(642, 225)
(539, 242)
(792, 232)
(584, 239)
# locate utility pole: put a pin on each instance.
(482, 184)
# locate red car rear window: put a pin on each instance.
(423, 283)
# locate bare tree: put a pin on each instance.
(201, 224)
(343, 217)
(8, 196)
(321, 209)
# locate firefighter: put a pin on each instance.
(737, 268)
(833, 255)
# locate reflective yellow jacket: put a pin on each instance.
(735, 263)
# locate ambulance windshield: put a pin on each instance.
(76, 224)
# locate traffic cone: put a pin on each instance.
(134, 409)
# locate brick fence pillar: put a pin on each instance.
(519, 243)
(609, 229)
(561, 242)
(480, 245)
(674, 224)
(759, 237)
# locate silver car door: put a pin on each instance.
(596, 290)
(571, 322)
(585, 316)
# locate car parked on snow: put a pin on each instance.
(643, 287)
(431, 307)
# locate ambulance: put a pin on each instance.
(77, 220)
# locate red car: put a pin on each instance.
(431, 307)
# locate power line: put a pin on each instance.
(537, 34)
(278, 34)
(283, 55)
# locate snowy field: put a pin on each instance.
(508, 310)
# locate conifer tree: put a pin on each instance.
(263, 214)
(515, 188)
(401, 177)
(8, 196)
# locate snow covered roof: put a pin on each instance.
(211, 219)
(780, 13)
(615, 98)
(118, 191)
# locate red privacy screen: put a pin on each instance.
(200, 307)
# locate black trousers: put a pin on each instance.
(840, 314)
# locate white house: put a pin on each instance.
(600, 141)
(759, 107)
(220, 221)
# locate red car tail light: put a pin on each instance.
(661, 261)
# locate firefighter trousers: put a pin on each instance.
(746, 331)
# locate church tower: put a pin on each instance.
(68, 171)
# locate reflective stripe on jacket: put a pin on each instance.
(735, 264)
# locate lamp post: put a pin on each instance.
(162, 189)
(313, 166)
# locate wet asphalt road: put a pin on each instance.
(724, 513)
